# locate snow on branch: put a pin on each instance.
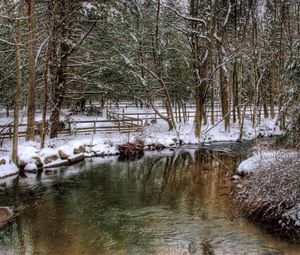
(10, 43)
(187, 17)
(228, 13)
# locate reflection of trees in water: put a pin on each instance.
(19, 220)
(70, 219)
(192, 181)
(195, 182)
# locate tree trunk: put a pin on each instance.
(31, 70)
(212, 105)
(235, 93)
(271, 92)
(58, 65)
(54, 119)
(224, 99)
(18, 87)
(59, 92)
(44, 127)
(200, 101)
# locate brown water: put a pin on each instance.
(170, 203)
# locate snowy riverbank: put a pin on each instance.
(270, 192)
(69, 149)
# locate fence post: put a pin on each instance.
(69, 124)
(129, 134)
(119, 126)
(94, 127)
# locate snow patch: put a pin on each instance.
(263, 158)
(8, 169)
(31, 166)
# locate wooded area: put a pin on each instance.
(237, 53)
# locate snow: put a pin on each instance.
(157, 132)
(48, 152)
(66, 149)
(88, 6)
(57, 163)
(31, 166)
(294, 214)
(263, 158)
(8, 168)
(277, 169)
(27, 151)
(75, 156)
(7, 181)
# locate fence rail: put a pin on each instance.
(71, 127)
(121, 122)
(186, 115)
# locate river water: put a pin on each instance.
(172, 202)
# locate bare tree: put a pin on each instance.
(18, 85)
(31, 70)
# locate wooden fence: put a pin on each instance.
(118, 122)
(87, 126)
(183, 115)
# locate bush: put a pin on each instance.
(131, 150)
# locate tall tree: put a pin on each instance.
(31, 70)
(18, 84)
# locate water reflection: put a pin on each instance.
(176, 203)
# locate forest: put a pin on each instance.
(82, 79)
(237, 53)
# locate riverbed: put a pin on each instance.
(170, 202)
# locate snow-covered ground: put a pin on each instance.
(262, 159)
(106, 144)
(273, 181)
(210, 133)
(7, 168)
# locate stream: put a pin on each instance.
(169, 202)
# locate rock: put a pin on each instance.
(50, 159)
(57, 164)
(2, 162)
(63, 155)
(79, 150)
(151, 147)
(22, 164)
(76, 158)
(38, 162)
(159, 146)
(31, 167)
